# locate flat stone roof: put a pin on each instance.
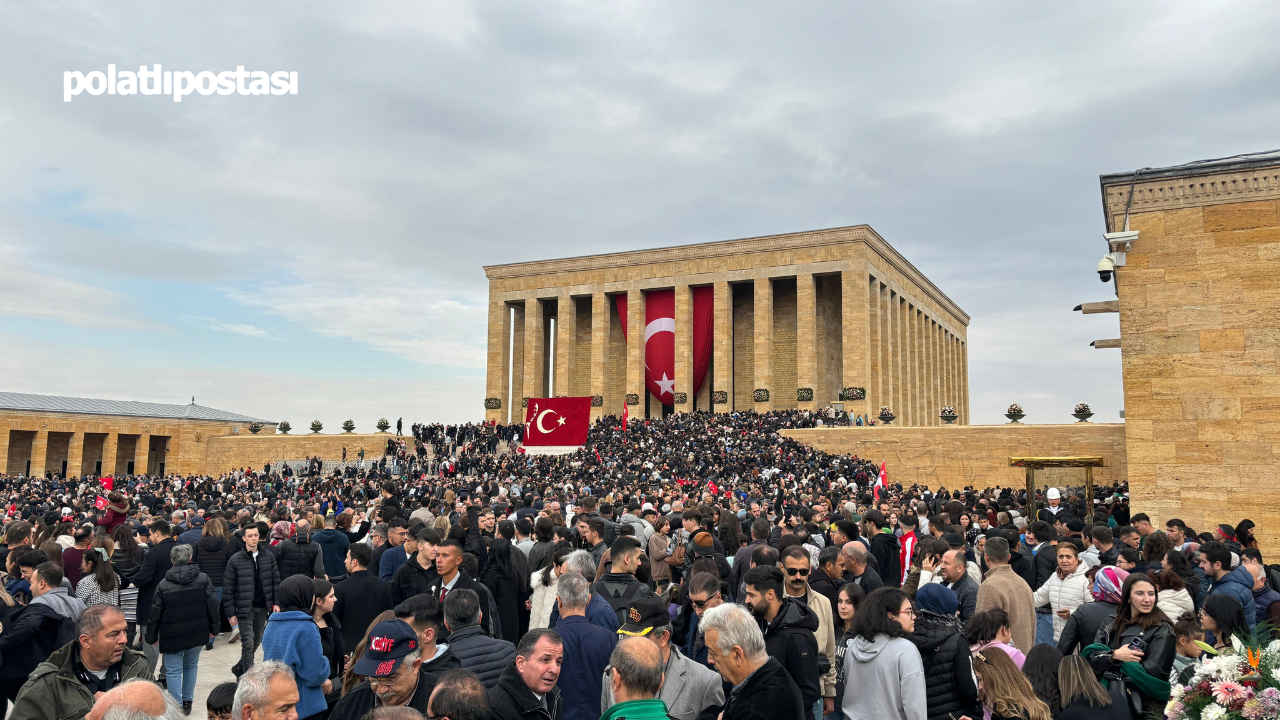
(126, 408)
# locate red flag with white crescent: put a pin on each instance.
(107, 483)
(100, 503)
(881, 481)
(561, 421)
(660, 344)
(626, 413)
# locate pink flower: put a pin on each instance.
(1228, 692)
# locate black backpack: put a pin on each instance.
(618, 595)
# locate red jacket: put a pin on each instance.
(114, 518)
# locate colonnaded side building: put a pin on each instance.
(799, 321)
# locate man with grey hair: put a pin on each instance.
(859, 571)
(635, 680)
(687, 687)
(67, 684)
(599, 611)
(136, 700)
(476, 651)
(528, 686)
(182, 618)
(393, 672)
(586, 648)
(266, 691)
(762, 688)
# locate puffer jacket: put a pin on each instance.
(544, 598)
(211, 555)
(54, 691)
(184, 613)
(1066, 593)
(1238, 584)
(237, 581)
(297, 556)
(1175, 603)
(481, 654)
(951, 689)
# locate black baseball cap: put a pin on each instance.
(389, 642)
(643, 615)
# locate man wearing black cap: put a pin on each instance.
(392, 666)
(688, 687)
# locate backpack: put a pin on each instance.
(619, 596)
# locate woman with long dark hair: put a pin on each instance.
(1083, 697)
(543, 583)
(503, 581)
(1222, 616)
(880, 656)
(1041, 669)
(1244, 534)
(331, 639)
(98, 584)
(1176, 561)
(1139, 633)
(730, 532)
(1006, 692)
(544, 535)
(848, 599)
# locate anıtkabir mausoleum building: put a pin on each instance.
(786, 321)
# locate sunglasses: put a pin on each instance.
(797, 571)
(703, 603)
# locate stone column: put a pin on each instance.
(75, 454)
(498, 364)
(875, 328)
(516, 392)
(4, 447)
(534, 370)
(764, 341)
(935, 396)
(722, 350)
(142, 454)
(110, 445)
(600, 353)
(806, 337)
(635, 351)
(39, 451)
(913, 378)
(964, 381)
(855, 340)
(684, 347)
(895, 357)
(947, 377)
(566, 344)
(922, 396)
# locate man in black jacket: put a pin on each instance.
(394, 660)
(299, 556)
(154, 566)
(249, 594)
(452, 577)
(742, 558)
(477, 652)
(763, 689)
(426, 617)
(527, 688)
(419, 571)
(362, 597)
(884, 547)
(788, 626)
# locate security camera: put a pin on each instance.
(1106, 266)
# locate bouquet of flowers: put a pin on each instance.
(948, 410)
(1240, 686)
(1014, 408)
(1082, 408)
(884, 410)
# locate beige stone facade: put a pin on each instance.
(820, 311)
(977, 455)
(1199, 303)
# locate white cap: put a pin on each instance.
(1053, 494)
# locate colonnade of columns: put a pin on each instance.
(32, 448)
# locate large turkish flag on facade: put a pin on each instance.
(660, 339)
(560, 421)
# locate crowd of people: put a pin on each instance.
(698, 566)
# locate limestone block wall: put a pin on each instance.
(231, 452)
(977, 455)
(1199, 300)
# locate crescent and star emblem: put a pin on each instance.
(542, 415)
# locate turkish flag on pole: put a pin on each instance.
(626, 413)
(660, 344)
(100, 503)
(881, 481)
(108, 483)
(557, 422)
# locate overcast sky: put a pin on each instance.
(319, 255)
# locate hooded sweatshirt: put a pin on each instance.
(892, 667)
(790, 639)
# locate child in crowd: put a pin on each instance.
(991, 629)
(1187, 630)
(219, 702)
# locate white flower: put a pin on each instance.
(1274, 647)
(1239, 646)
(1176, 691)
(1212, 711)
(1275, 675)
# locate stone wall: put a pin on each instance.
(231, 452)
(1199, 299)
(978, 455)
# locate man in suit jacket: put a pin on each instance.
(688, 687)
(151, 571)
(453, 577)
(586, 649)
(361, 597)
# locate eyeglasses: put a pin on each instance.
(387, 681)
(703, 603)
(908, 610)
(798, 571)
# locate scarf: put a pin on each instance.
(1107, 584)
(280, 531)
(938, 600)
(296, 592)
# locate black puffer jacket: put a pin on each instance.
(211, 555)
(297, 557)
(125, 565)
(950, 687)
(184, 613)
(1083, 625)
(237, 580)
(789, 638)
(481, 654)
(511, 699)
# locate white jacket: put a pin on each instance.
(1062, 593)
(544, 598)
(1175, 603)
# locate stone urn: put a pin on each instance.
(948, 415)
(1082, 413)
(886, 415)
(1015, 418)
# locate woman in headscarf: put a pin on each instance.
(280, 532)
(950, 690)
(1083, 624)
(293, 638)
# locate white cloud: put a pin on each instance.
(29, 293)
